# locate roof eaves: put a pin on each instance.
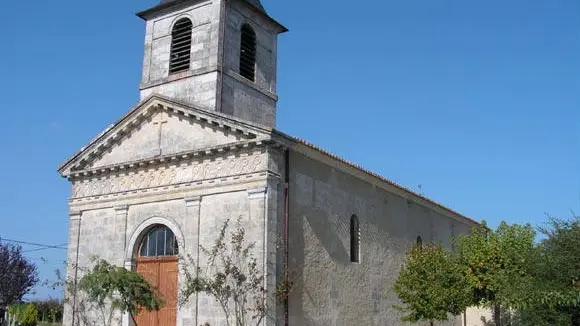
(145, 14)
(261, 11)
(372, 174)
(104, 132)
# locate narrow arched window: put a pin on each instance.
(180, 46)
(354, 240)
(159, 242)
(248, 53)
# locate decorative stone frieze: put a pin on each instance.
(168, 175)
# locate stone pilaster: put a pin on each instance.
(190, 251)
(120, 236)
(260, 224)
(75, 218)
(129, 264)
(275, 246)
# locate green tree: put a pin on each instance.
(432, 285)
(497, 266)
(557, 272)
(15, 313)
(493, 268)
(49, 309)
(108, 289)
(535, 283)
(29, 316)
(232, 277)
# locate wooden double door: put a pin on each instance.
(161, 273)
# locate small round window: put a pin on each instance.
(159, 242)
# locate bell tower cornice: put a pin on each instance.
(169, 5)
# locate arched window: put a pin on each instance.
(354, 240)
(159, 242)
(248, 52)
(180, 46)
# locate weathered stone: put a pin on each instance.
(206, 56)
(174, 160)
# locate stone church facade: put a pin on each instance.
(201, 147)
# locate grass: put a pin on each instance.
(42, 324)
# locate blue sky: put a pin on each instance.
(477, 101)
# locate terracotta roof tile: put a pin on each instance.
(375, 175)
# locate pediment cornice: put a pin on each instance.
(177, 158)
(143, 111)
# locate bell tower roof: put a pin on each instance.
(255, 3)
(167, 5)
(164, 4)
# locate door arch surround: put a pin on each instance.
(154, 251)
(141, 230)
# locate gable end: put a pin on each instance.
(143, 113)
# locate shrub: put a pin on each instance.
(30, 316)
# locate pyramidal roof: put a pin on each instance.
(254, 3)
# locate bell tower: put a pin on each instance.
(217, 55)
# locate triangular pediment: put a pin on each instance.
(159, 127)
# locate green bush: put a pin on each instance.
(30, 316)
(15, 311)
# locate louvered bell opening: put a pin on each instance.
(180, 46)
(248, 53)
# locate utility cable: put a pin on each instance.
(34, 244)
(40, 249)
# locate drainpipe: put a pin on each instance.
(286, 229)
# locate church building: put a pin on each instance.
(202, 147)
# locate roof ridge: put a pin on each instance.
(372, 174)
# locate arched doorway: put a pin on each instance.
(157, 263)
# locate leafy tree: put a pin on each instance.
(493, 268)
(29, 316)
(108, 289)
(497, 266)
(557, 272)
(17, 275)
(15, 313)
(432, 285)
(232, 278)
(539, 315)
(49, 309)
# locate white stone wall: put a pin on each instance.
(112, 224)
(199, 90)
(330, 289)
(198, 84)
(243, 100)
(165, 133)
(213, 82)
(266, 45)
(250, 100)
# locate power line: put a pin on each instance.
(47, 261)
(40, 249)
(44, 246)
